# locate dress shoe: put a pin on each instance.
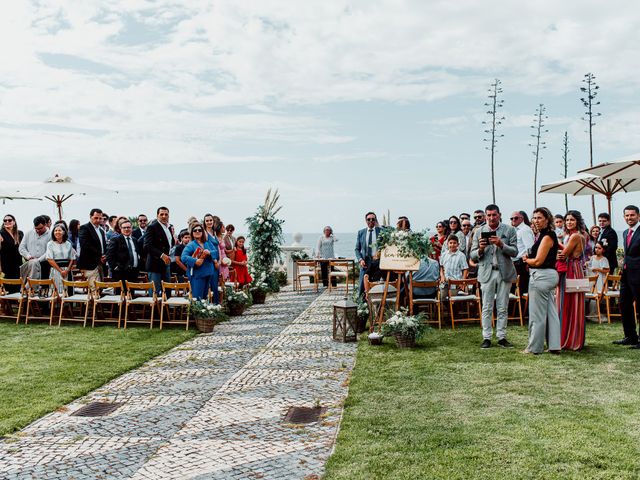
(635, 347)
(554, 352)
(625, 341)
(504, 343)
(486, 343)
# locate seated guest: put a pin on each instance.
(201, 258)
(122, 254)
(33, 248)
(60, 255)
(429, 271)
(240, 263)
(453, 263)
(178, 268)
(543, 311)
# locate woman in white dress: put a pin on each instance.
(61, 256)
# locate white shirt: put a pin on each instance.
(167, 232)
(130, 241)
(34, 245)
(525, 238)
(100, 232)
(633, 229)
(373, 240)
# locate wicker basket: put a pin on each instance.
(205, 325)
(376, 340)
(405, 341)
(259, 296)
(236, 309)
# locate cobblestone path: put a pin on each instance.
(212, 407)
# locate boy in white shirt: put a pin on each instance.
(453, 263)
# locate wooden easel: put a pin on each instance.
(402, 280)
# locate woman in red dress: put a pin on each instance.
(571, 305)
(240, 263)
(442, 229)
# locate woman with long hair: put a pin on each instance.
(10, 258)
(240, 263)
(209, 222)
(456, 229)
(544, 322)
(218, 231)
(438, 240)
(592, 238)
(61, 256)
(74, 232)
(571, 260)
(201, 258)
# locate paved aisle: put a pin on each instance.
(210, 408)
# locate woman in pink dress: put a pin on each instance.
(225, 261)
(571, 305)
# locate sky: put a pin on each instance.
(343, 106)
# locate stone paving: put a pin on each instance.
(210, 408)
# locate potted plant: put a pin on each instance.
(206, 315)
(236, 302)
(405, 328)
(259, 289)
(363, 312)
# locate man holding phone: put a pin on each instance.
(494, 246)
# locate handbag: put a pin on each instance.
(577, 285)
(561, 266)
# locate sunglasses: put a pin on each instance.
(197, 230)
(371, 219)
(477, 216)
(8, 220)
(452, 221)
(515, 218)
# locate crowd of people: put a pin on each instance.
(204, 252)
(550, 256)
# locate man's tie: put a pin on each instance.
(629, 235)
(131, 257)
(369, 242)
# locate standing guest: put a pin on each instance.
(479, 218)
(33, 248)
(201, 258)
(453, 263)
(630, 281)
(138, 236)
(571, 305)
(60, 255)
(598, 264)
(10, 258)
(104, 224)
(366, 248)
(464, 216)
(93, 248)
(543, 311)
(74, 227)
(178, 268)
(456, 229)
(609, 238)
(526, 239)
(218, 230)
(442, 231)
(559, 226)
(122, 254)
(592, 238)
(230, 241)
(241, 264)
(324, 249)
(112, 221)
(48, 221)
(157, 244)
(209, 222)
(494, 246)
(466, 230)
(403, 224)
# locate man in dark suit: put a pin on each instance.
(138, 236)
(93, 246)
(157, 243)
(609, 236)
(122, 255)
(366, 249)
(630, 281)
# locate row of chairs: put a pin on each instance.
(310, 269)
(41, 299)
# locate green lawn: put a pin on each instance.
(448, 409)
(42, 367)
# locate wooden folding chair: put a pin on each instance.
(175, 296)
(141, 295)
(112, 295)
(81, 295)
(7, 299)
(593, 295)
(415, 303)
(611, 293)
(341, 271)
(516, 298)
(310, 271)
(469, 298)
(40, 292)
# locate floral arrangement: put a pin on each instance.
(363, 307)
(260, 284)
(240, 298)
(203, 309)
(301, 255)
(620, 258)
(400, 323)
(409, 243)
(265, 235)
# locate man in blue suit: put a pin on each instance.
(366, 248)
(630, 281)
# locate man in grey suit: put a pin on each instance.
(366, 248)
(494, 246)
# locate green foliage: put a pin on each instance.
(232, 297)
(43, 368)
(280, 278)
(265, 235)
(409, 243)
(301, 255)
(203, 309)
(402, 324)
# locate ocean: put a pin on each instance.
(344, 247)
